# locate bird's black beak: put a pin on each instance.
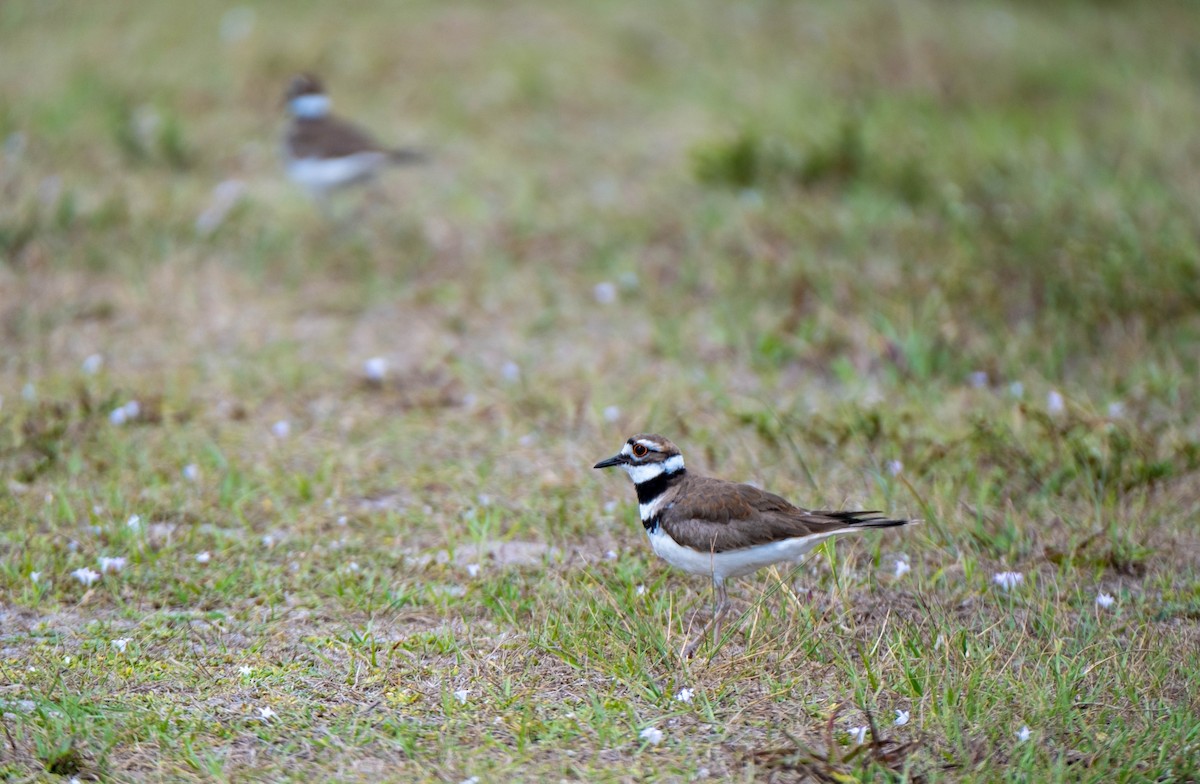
(612, 461)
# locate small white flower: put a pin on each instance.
(1116, 410)
(266, 713)
(281, 429)
(343, 520)
(685, 695)
(126, 413)
(978, 379)
(652, 735)
(472, 570)
(34, 577)
(901, 718)
(605, 191)
(610, 555)
(1105, 600)
(92, 364)
(751, 198)
(471, 780)
(353, 566)
(115, 564)
(375, 369)
(14, 145)
(461, 695)
(204, 557)
(191, 472)
(1008, 580)
(902, 568)
(134, 522)
(641, 590)
(612, 414)
(268, 541)
(224, 198)
(120, 644)
(858, 735)
(1016, 389)
(236, 24)
(895, 467)
(605, 293)
(66, 660)
(1023, 734)
(1054, 402)
(245, 670)
(511, 372)
(85, 575)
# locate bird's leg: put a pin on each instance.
(321, 198)
(720, 609)
(374, 196)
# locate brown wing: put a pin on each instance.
(328, 137)
(729, 516)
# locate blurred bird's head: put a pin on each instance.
(305, 96)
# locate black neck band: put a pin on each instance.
(652, 488)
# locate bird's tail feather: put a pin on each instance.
(866, 519)
(406, 155)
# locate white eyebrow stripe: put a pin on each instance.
(653, 447)
(627, 449)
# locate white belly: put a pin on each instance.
(734, 563)
(324, 174)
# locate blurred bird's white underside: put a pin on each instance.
(321, 175)
(735, 563)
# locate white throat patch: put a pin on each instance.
(648, 471)
(310, 106)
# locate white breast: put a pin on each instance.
(734, 563)
(323, 174)
(646, 511)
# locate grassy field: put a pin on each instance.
(940, 259)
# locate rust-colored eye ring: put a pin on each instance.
(639, 450)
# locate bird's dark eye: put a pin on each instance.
(639, 450)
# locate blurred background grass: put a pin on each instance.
(807, 241)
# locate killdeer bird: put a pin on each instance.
(323, 152)
(722, 529)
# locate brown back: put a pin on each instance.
(328, 137)
(714, 516)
